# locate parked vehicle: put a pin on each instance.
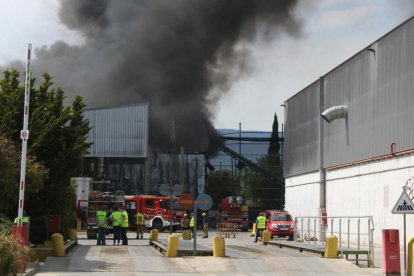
(156, 210)
(234, 210)
(280, 223)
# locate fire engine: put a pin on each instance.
(156, 210)
(234, 210)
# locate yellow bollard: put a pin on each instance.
(265, 236)
(410, 257)
(253, 230)
(58, 246)
(73, 235)
(331, 247)
(219, 247)
(154, 235)
(78, 225)
(172, 246)
(187, 235)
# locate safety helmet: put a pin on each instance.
(204, 214)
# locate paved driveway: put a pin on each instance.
(243, 257)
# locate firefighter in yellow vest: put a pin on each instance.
(124, 226)
(140, 225)
(102, 224)
(116, 225)
(260, 226)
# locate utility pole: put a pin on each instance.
(173, 146)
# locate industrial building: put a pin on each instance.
(357, 164)
(121, 158)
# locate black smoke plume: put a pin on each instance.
(178, 55)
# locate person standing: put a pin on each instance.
(192, 225)
(185, 222)
(124, 226)
(102, 224)
(260, 226)
(205, 225)
(140, 225)
(116, 224)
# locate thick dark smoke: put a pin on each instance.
(172, 54)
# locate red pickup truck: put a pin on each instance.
(280, 223)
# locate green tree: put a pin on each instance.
(263, 191)
(10, 176)
(57, 139)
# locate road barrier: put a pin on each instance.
(350, 230)
(227, 229)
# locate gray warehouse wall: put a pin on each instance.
(377, 85)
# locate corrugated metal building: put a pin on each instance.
(119, 150)
(365, 159)
(120, 157)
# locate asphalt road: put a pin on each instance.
(243, 257)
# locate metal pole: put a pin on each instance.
(24, 135)
(322, 183)
(171, 194)
(349, 221)
(405, 247)
(195, 229)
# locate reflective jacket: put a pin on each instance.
(261, 222)
(192, 222)
(140, 219)
(25, 220)
(116, 218)
(101, 219)
(124, 219)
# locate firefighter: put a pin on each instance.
(124, 226)
(116, 224)
(102, 224)
(260, 225)
(140, 225)
(205, 225)
(192, 225)
(185, 222)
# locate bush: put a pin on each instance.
(5, 223)
(10, 251)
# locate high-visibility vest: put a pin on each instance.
(140, 219)
(192, 222)
(124, 219)
(24, 220)
(261, 222)
(116, 218)
(101, 219)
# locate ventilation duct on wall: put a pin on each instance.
(335, 112)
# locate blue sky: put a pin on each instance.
(333, 31)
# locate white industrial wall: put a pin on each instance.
(302, 195)
(368, 189)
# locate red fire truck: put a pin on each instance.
(156, 210)
(234, 210)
